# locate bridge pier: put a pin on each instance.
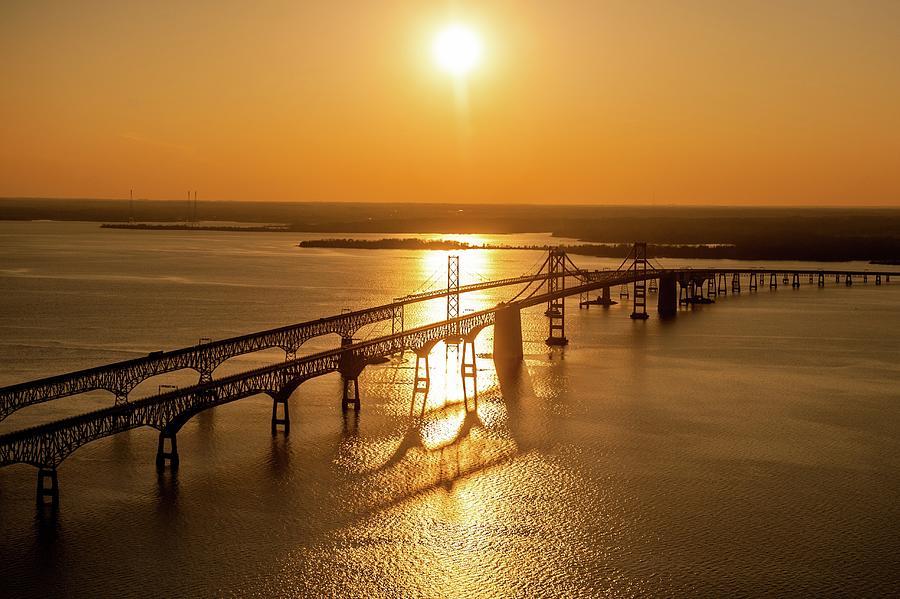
(350, 394)
(667, 299)
(508, 334)
(753, 283)
(837, 278)
(849, 281)
(285, 420)
(784, 278)
(711, 288)
(722, 284)
(810, 279)
(557, 314)
(865, 278)
(821, 281)
(171, 455)
(420, 378)
(606, 297)
(469, 369)
(795, 282)
(47, 486)
(878, 279)
(773, 280)
(684, 293)
(736, 282)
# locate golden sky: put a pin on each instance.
(575, 101)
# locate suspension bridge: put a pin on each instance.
(47, 445)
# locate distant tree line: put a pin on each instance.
(689, 232)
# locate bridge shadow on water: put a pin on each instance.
(445, 439)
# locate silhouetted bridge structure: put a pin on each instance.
(47, 445)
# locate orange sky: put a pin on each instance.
(576, 101)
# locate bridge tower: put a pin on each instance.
(397, 317)
(639, 271)
(556, 307)
(453, 300)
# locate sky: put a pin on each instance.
(751, 102)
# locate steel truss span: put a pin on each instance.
(121, 377)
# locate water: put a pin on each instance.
(748, 447)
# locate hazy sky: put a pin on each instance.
(634, 101)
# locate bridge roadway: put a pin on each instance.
(46, 446)
(120, 378)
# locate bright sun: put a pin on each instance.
(457, 49)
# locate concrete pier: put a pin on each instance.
(667, 298)
(508, 334)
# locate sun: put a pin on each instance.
(457, 49)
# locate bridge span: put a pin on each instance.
(46, 446)
(120, 378)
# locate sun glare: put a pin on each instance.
(457, 49)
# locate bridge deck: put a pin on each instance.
(120, 377)
(48, 444)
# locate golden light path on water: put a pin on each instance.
(454, 469)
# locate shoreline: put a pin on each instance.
(606, 250)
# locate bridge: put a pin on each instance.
(120, 378)
(47, 445)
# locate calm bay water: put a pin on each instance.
(748, 447)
